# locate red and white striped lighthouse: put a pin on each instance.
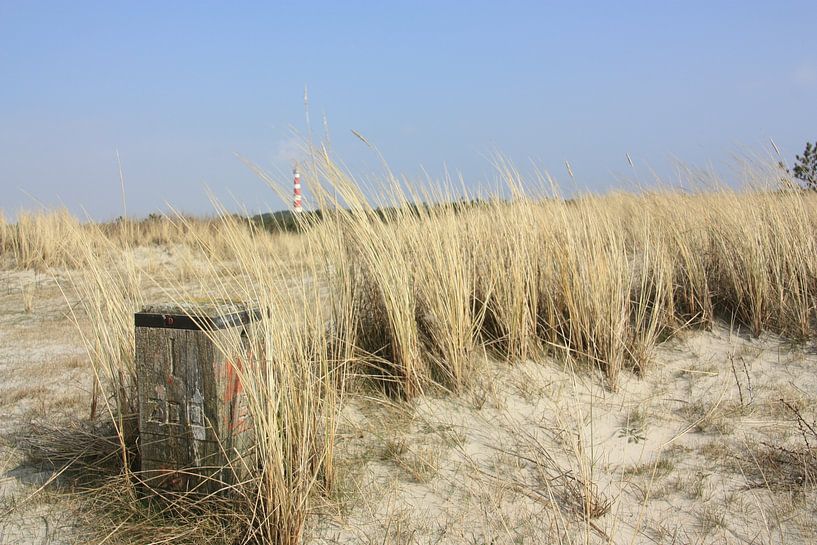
(296, 192)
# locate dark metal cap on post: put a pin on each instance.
(207, 317)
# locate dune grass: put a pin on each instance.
(403, 294)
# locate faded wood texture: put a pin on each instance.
(192, 414)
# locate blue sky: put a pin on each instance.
(179, 88)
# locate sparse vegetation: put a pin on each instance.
(789, 467)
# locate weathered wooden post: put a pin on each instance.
(193, 422)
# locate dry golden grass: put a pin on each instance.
(600, 279)
(405, 297)
(39, 240)
(56, 239)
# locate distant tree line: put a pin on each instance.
(286, 221)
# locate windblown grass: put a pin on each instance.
(292, 385)
(599, 279)
(405, 294)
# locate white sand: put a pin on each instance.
(507, 461)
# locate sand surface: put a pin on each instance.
(520, 457)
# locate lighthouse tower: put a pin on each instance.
(296, 191)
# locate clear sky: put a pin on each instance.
(180, 87)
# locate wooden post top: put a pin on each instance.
(206, 316)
